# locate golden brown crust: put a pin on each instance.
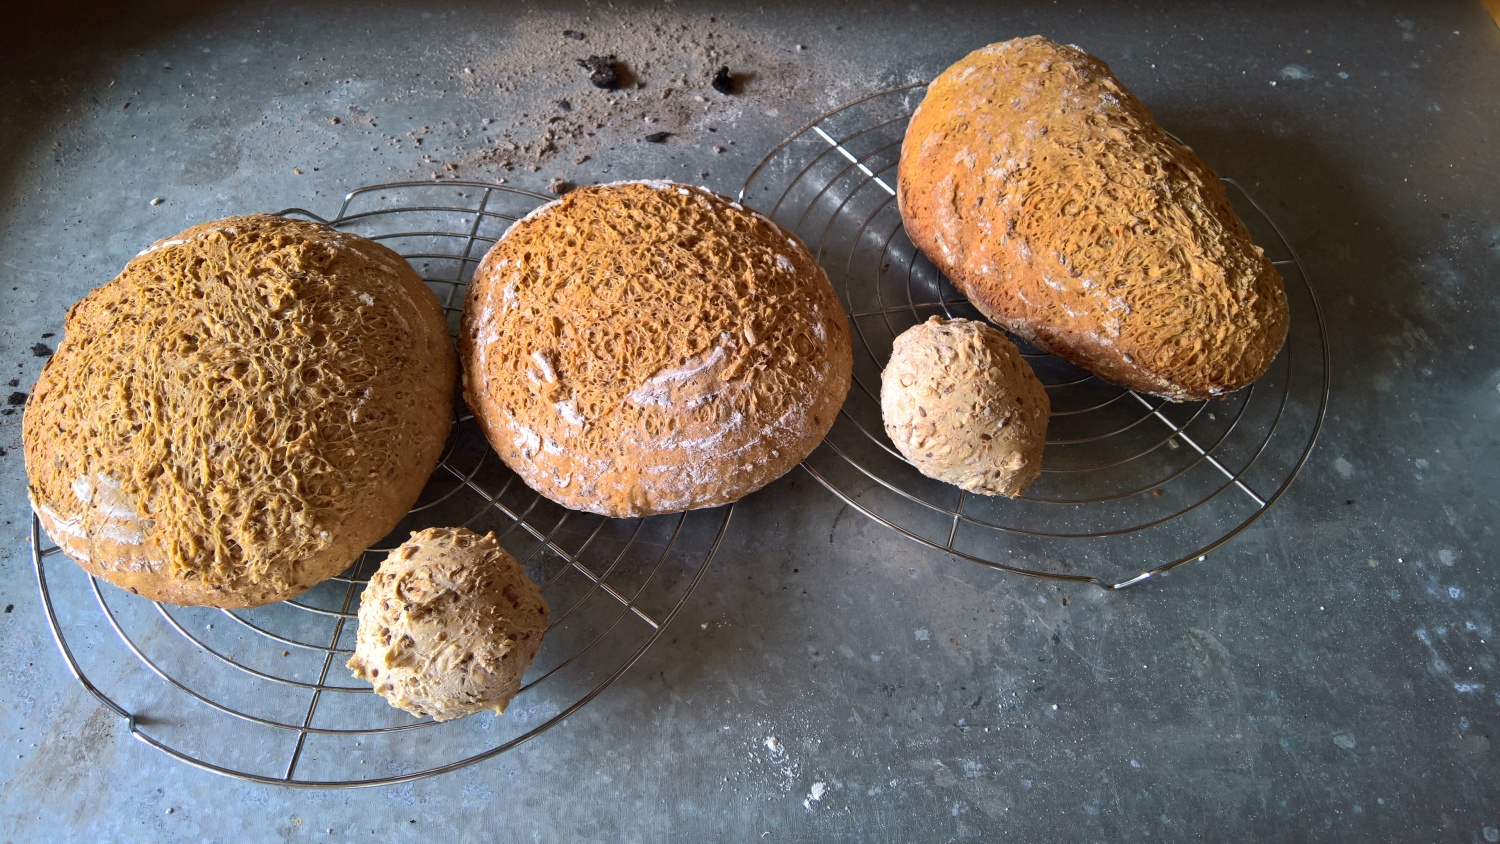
(964, 407)
(1053, 200)
(448, 625)
(240, 413)
(645, 348)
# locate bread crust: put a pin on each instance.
(240, 413)
(648, 347)
(1049, 195)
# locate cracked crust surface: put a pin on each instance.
(240, 413)
(649, 347)
(1058, 206)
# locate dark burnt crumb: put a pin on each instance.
(48, 334)
(602, 71)
(723, 81)
(563, 105)
(16, 399)
(41, 350)
(14, 382)
(658, 137)
(573, 34)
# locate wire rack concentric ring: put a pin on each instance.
(1132, 485)
(263, 694)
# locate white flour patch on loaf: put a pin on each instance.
(659, 388)
(525, 439)
(569, 413)
(118, 521)
(364, 398)
(111, 501)
(162, 245)
(785, 264)
(544, 363)
(711, 442)
(123, 532)
(55, 523)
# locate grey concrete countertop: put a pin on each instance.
(1330, 674)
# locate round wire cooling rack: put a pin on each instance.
(1132, 485)
(263, 694)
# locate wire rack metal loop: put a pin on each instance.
(1126, 477)
(263, 695)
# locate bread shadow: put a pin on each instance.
(1357, 262)
(770, 574)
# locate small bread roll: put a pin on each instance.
(964, 407)
(648, 347)
(241, 412)
(448, 625)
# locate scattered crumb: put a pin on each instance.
(723, 82)
(603, 71)
(668, 67)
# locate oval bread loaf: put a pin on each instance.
(1054, 201)
(241, 412)
(448, 625)
(643, 348)
(964, 407)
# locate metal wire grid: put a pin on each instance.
(1132, 485)
(263, 694)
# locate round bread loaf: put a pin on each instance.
(964, 407)
(240, 413)
(448, 625)
(647, 347)
(1054, 201)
